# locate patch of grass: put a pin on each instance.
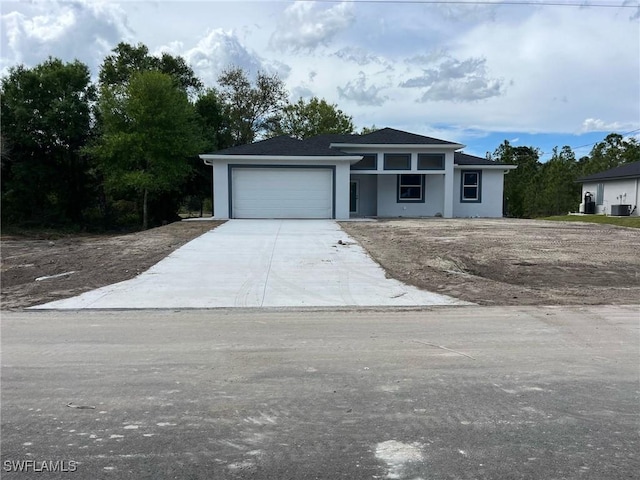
(633, 222)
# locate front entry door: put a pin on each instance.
(353, 196)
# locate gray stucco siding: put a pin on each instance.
(367, 195)
(388, 205)
(491, 194)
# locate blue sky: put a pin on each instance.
(475, 73)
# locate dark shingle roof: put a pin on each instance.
(320, 144)
(391, 136)
(460, 158)
(282, 145)
(326, 139)
(623, 171)
(333, 137)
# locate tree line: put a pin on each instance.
(121, 152)
(537, 189)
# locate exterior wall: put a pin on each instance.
(378, 188)
(388, 205)
(367, 195)
(221, 190)
(341, 200)
(439, 188)
(628, 188)
(491, 194)
(449, 183)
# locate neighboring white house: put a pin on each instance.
(614, 191)
(386, 173)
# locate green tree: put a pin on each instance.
(559, 193)
(215, 124)
(127, 60)
(252, 108)
(116, 72)
(215, 128)
(46, 121)
(306, 119)
(522, 185)
(366, 130)
(612, 152)
(149, 132)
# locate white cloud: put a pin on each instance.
(458, 13)
(358, 92)
(219, 50)
(305, 27)
(562, 64)
(301, 91)
(511, 69)
(449, 79)
(598, 125)
(80, 29)
(360, 56)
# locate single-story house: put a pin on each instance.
(386, 173)
(612, 192)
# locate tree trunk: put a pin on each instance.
(145, 220)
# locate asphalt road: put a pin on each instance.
(444, 393)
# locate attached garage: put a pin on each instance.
(281, 177)
(281, 191)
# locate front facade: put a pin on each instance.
(613, 192)
(387, 173)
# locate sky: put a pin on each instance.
(536, 73)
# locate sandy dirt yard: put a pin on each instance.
(95, 261)
(508, 261)
(490, 262)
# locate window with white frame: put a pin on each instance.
(410, 188)
(471, 185)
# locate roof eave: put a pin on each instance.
(208, 159)
(447, 146)
(488, 167)
(597, 179)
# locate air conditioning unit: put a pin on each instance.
(620, 210)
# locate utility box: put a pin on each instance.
(589, 204)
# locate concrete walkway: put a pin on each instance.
(261, 263)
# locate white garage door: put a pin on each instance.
(282, 193)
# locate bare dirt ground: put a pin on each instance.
(508, 262)
(95, 261)
(490, 262)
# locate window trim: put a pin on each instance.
(375, 162)
(422, 188)
(440, 155)
(387, 155)
(478, 198)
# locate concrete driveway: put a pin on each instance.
(261, 263)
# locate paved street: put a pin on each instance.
(443, 393)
